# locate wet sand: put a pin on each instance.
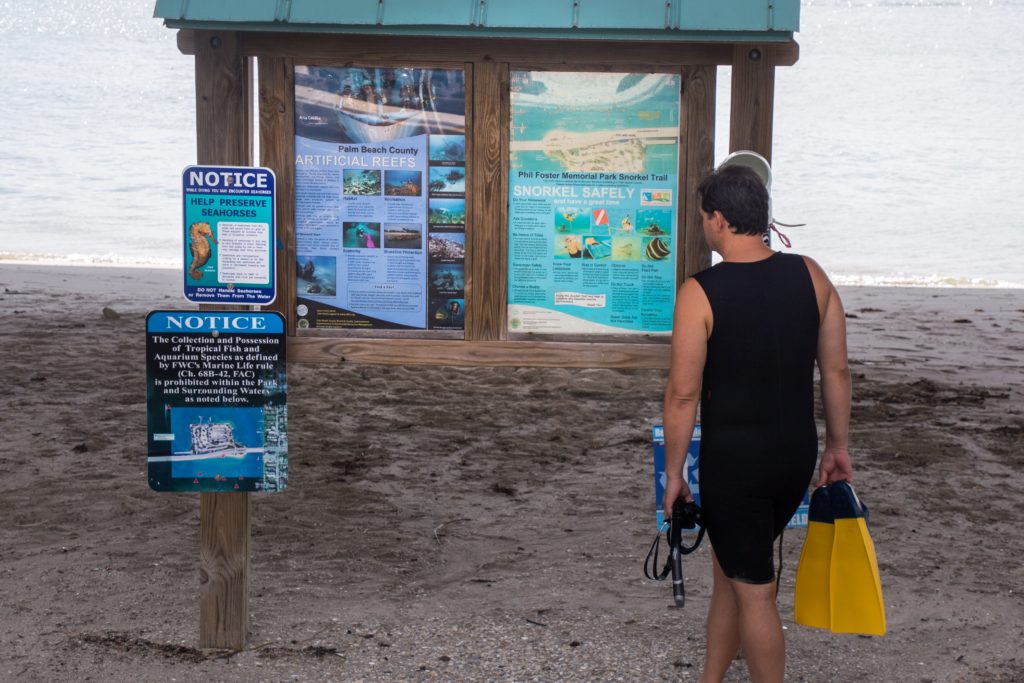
(462, 524)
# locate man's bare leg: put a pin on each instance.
(760, 631)
(723, 635)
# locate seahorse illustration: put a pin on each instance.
(198, 234)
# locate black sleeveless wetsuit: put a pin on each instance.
(759, 443)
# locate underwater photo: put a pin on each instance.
(360, 182)
(654, 221)
(316, 275)
(447, 148)
(447, 278)
(657, 248)
(447, 180)
(622, 220)
(568, 246)
(361, 236)
(570, 219)
(374, 105)
(626, 248)
(403, 183)
(447, 212)
(446, 246)
(447, 312)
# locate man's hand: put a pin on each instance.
(675, 487)
(835, 466)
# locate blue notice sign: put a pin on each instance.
(692, 472)
(217, 401)
(229, 235)
(690, 468)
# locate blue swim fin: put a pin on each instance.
(854, 585)
(812, 600)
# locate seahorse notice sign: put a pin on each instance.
(229, 234)
(216, 399)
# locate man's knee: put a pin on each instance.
(753, 595)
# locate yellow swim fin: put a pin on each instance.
(854, 585)
(812, 601)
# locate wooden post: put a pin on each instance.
(753, 94)
(699, 156)
(487, 283)
(223, 137)
(224, 570)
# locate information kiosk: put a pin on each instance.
(485, 183)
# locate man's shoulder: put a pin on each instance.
(710, 271)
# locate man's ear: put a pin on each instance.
(718, 220)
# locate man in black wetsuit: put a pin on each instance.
(745, 338)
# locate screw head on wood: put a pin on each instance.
(216, 42)
(754, 55)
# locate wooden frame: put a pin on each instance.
(699, 85)
(487, 62)
(335, 47)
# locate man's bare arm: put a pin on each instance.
(690, 330)
(836, 382)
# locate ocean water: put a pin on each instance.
(897, 138)
(99, 124)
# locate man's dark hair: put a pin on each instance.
(739, 193)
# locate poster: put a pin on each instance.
(692, 473)
(216, 400)
(593, 201)
(229, 243)
(380, 194)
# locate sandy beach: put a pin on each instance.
(463, 524)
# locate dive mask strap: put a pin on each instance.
(782, 238)
(651, 562)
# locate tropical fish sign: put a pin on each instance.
(691, 470)
(229, 235)
(216, 401)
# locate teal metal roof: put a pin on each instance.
(722, 20)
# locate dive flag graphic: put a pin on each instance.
(600, 217)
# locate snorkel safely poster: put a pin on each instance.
(216, 400)
(229, 235)
(593, 200)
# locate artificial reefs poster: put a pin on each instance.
(380, 198)
(593, 201)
